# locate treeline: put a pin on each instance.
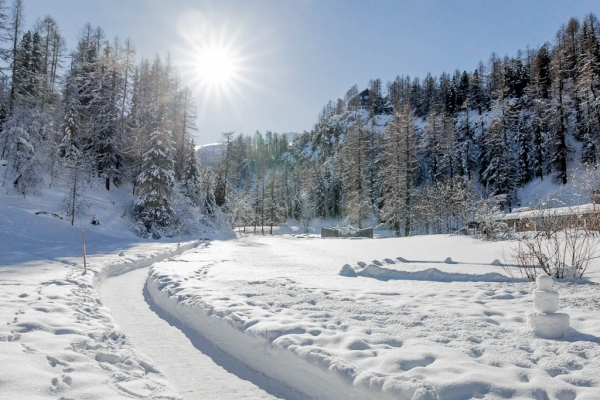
(418, 154)
(95, 116)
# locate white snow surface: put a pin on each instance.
(420, 327)
(57, 340)
(197, 369)
(424, 318)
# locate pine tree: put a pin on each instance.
(499, 177)
(430, 144)
(273, 209)
(72, 152)
(207, 190)
(316, 190)
(152, 206)
(522, 143)
(191, 176)
(558, 114)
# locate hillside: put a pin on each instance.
(428, 155)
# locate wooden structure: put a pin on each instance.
(361, 101)
(346, 232)
(552, 219)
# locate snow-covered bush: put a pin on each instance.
(561, 245)
(490, 228)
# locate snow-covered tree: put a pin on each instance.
(152, 206)
(358, 205)
(190, 179)
(74, 161)
(399, 165)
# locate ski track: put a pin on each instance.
(194, 374)
(281, 306)
(56, 335)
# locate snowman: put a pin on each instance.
(546, 322)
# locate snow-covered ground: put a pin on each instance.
(197, 369)
(290, 317)
(427, 318)
(57, 340)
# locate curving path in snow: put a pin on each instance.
(196, 368)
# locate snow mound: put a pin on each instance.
(347, 270)
(272, 349)
(430, 274)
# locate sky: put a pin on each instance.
(281, 61)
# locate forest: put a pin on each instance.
(429, 155)
(414, 155)
(94, 117)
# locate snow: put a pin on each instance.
(196, 374)
(546, 322)
(57, 339)
(291, 317)
(281, 306)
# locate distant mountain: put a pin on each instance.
(209, 154)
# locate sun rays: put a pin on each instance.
(216, 62)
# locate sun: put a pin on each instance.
(216, 66)
(219, 62)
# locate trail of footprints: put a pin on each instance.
(74, 312)
(468, 332)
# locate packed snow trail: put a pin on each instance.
(194, 374)
(442, 326)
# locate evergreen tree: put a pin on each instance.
(152, 206)
(191, 176)
(74, 162)
(558, 115)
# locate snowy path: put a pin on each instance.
(427, 319)
(194, 374)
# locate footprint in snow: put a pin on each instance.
(407, 365)
(476, 352)
(53, 361)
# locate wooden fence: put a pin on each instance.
(346, 232)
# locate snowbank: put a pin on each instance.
(430, 274)
(311, 371)
(60, 341)
(457, 331)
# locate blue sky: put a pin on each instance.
(295, 55)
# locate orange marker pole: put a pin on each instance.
(83, 243)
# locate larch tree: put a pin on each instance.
(358, 204)
(398, 168)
